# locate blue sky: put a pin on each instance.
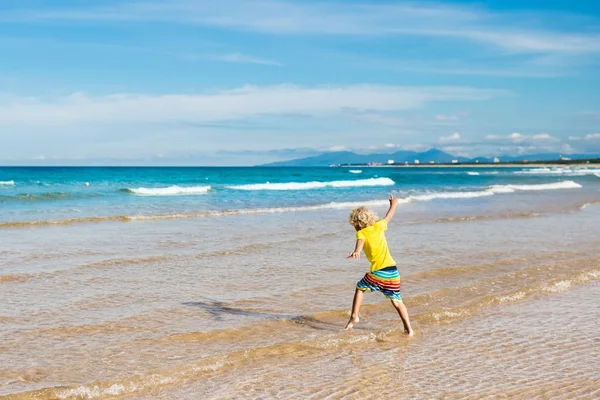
(242, 82)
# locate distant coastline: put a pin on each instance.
(510, 164)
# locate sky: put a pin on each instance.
(244, 82)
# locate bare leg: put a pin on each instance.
(358, 298)
(403, 312)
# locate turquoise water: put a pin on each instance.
(59, 193)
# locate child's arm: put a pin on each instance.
(357, 249)
(390, 214)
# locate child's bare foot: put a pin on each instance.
(351, 323)
(409, 332)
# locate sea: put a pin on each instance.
(233, 283)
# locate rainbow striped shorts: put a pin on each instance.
(386, 281)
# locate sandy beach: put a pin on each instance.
(500, 274)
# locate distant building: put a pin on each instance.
(416, 162)
(476, 161)
(405, 162)
(454, 161)
(390, 162)
(496, 160)
(564, 158)
(372, 163)
(431, 162)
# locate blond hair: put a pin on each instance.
(362, 217)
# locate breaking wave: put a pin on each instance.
(565, 171)
(542, 186)
(315, 184)
(170, 191)
(7, 183)
(491, 191)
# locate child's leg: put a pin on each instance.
(403, 312)
(358, 298)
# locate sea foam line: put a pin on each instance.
(564, 171)
(314, 184)
(170, 191)
(541, 186)
(7, 183)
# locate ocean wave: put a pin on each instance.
(491, 191)
(450, 195)
(355, 171)
(564, 171)
(541, 186)
(473, 173)
(7, 183)
(315, 184)
(170, 191)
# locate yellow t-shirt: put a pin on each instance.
(376, 247)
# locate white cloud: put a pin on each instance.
(503, 30)
(379, 119)
(567, 149)
(337, 148)
(451, 138)
(592, 136)
(519, 138)
(244, 59)
(236, 104)
(542, 136)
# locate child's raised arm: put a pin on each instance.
(390, 214)
(357, 249)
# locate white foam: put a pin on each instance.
(451, 195)
(543, 186)
(564, 171)
(7, 183)
(170, 191)
(597, 174)
(315, 185)
(355, 171)
(472, 173)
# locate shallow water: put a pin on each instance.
(253, 305)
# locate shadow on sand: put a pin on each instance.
(218, 309)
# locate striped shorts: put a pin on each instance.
(386, 281)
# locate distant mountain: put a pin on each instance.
(400, 157)
(348, 157)
(438, 156)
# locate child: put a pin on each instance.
(384, 275)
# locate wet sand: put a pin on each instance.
(504, 302)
